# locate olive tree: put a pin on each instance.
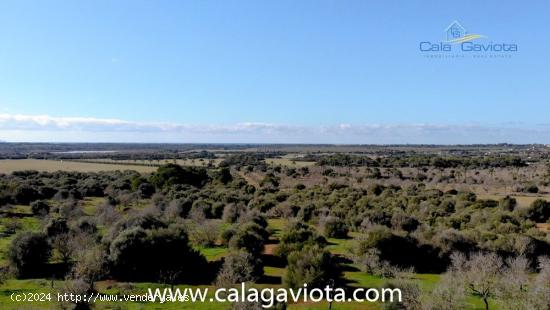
(239, 267)
(28, 254)
(481, 274)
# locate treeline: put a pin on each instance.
(124, 155)
(347, 160)
(252, 161)
(25, 187)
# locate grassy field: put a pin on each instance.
(289, 162)
(24, 223)
(522, 200)
(10, 165)
(183, 162)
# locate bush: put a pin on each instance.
(90, 266)
(227, 234)
(538, 211)
(531, 188)
(311, 265)
(403, 222)
(139, 254)
(231, 213)
(40, 207)
(146, 190)
(375, 189)
(297, 236)
(333, 227)
(201, 209)
(86, 225)
(56, 226)
(270, 181)
(306, 212)
(25, 194)
(508, 203)
(224, 175)
(401, 251)
(172, 174)
(411, 294)
(249, 237)
(239, 267)
(28, 254)
(205, 234)
(254, 217)
(179, 208)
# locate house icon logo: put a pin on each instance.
(455, 31)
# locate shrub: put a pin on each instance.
(403, 222)
(531, 188)
(375, 189)
(205, 234)
(297, 236)
(139, 254)
(311, 265)
(231, 212)
(254, 217)
(508, 203)
(224, 175)
(40, 207)
(86, 225)
(333, 227)
(306, 212)
(28, 254)
(90, 265)
(25, 194)
(401, 251)
(538, 211)
(249, 237)
(239, 267)
(227, 234)
(201, 209)
(146, 190)
(172, 174)
(411, 294)
(179, 208)
(270, 181)
(56, 226)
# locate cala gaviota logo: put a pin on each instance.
(458, 39)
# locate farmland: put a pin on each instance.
(11, 165)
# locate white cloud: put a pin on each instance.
(19, 127)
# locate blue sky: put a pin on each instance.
(270, 71)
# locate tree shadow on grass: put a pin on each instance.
(273, 261)
(270, 280)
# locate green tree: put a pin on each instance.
(312, 265)
(28, 254)
(172, 174)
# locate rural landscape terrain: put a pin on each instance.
(454, 227)
(249, 155)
